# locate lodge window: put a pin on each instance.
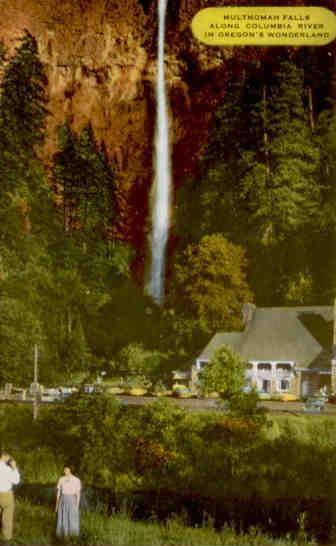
(265, 366)
(266, 386)
(284, 366)
(284, 385)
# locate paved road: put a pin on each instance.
(187, 403)
(203, 404)
(195, 404)
(295, 407)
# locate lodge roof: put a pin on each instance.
(299, 334)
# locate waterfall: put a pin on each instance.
(162, 172)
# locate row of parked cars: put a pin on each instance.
(57, 394)
(54, 394)
(312, 404)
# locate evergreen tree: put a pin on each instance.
(98, 187)
(210, 202)
(259, 180)
(282, 186)
(23, 206)
(86, 180)
(22, 125)
(86, 259)
(325, 238)
(20, 328)
(67, 173)
(23, 98)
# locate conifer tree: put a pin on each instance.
(22, 126)
(97, 182)
(325, 238)
(23, 198)
(210, 202)
(87, 181)
(283, 191)
(23, 97)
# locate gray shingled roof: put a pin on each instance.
(299, 334)
(232, 339)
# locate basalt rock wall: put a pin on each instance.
(99, 56)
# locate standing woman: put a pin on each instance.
(67, 504)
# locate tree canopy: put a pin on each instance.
(211, 283)
(225, 373)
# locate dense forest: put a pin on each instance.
(256, 223)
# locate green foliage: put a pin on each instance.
(66, 280)
(23, 97)
(86, 260)
(128, 317)
(326, 139)
(55, 273)
(263, 177)
(161, 447)
(22, 123)
(86, 432)
(299, 290)
(211, 202)
(280, 183)
(19, 330)
(23, 198)
(86, 181)
(225, 373)
(35, 525)
(156, 446)
(135, 360)
(211, 283)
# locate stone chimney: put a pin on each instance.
(248, 312)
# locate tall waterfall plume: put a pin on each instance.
(162, 171)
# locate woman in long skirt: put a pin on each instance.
(67, 504)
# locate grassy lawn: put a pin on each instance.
(34, 525)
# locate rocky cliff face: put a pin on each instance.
(99, 57)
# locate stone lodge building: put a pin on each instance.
(287, 349)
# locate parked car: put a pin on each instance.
(314, 405)
(65, 392)
(182, 391)
(51, 395)
(264, 395)
(91, 388)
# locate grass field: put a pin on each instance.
(34, 525)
